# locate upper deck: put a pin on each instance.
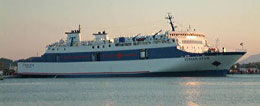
(102, 43)
(189, 41)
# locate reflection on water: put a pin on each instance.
(191, 103)
(192, 83)
(108, 103)
(192, 92)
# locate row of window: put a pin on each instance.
(194, 47)
(56, 48)
(97, 56)
(187, 35)
(93, 47)
(191, 42)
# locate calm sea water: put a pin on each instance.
(154, 91)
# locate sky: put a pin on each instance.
(27, 26)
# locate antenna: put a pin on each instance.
(79, 28)
(217, 43)
(157, 33)
(171, 23)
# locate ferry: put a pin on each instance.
(172, 53)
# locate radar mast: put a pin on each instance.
(171, 23)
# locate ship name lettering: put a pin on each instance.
(196, 58)
(28, 65)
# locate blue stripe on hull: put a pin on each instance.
(211, 73)
(153, 53)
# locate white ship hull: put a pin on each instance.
(134, 67)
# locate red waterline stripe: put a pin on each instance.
(35, 73)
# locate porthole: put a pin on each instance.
(109, 45)
(93, 47)
(103, 46)
(97, 46)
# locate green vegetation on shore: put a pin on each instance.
(5, 63)
(8, 66)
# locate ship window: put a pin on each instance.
(143, 54)
(92, 56)
(98, 56)
(109, 45)
(57, 57)
(97, 46)
(93, 47)
(103, 46)
(64, 48)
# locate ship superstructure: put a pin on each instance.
(171, 53)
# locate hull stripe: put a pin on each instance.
(213, 73)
